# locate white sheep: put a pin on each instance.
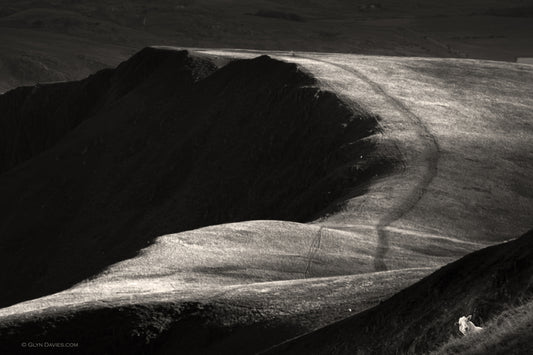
(466, 326)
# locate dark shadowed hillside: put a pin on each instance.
(423, 316)
(164, 143)
(34, 118)
(160, 328)
(508, 333)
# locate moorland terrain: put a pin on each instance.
(236, 200)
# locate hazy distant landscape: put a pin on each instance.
(281, 177)
(65, 40)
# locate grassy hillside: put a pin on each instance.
(151, 305)
(182, 140)
(173, 144)
(423, 316)
(462, 129)
(508, 333)
(199, 312)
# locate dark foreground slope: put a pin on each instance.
(166, 328)
(508, 333)
(423, 316)
(168, 143)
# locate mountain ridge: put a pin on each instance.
(166, 153)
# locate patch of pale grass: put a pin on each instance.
(511, 332)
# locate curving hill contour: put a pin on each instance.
(398, 166)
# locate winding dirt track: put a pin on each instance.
(430, 158)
